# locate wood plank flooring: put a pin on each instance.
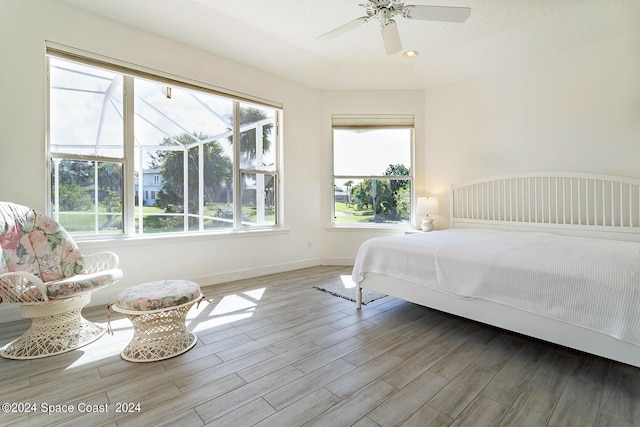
(273, 351)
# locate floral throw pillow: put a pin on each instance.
(35, 243)
(57, 254)
(3, 264)
(15, 224)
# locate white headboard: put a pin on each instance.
(568, 203)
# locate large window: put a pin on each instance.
(133, 155)
(372, 170)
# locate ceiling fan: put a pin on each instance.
(385, 11)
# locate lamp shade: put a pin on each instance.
(427, 205)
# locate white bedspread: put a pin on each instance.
(591, 283)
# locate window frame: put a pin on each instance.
(130, 72)
(372, 122)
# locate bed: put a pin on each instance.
(555, 256)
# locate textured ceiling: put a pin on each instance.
(279, 36)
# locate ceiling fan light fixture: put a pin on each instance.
(384, 11)
(411, 54)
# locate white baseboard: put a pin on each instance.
(248, 273)
(338, 261)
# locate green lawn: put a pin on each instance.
(84, 223)
(348, 214)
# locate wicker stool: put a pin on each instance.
(158, 311)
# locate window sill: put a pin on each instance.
(121, 241)
(382, 228)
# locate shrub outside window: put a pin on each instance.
(181, 153)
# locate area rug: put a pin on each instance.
(345, 288)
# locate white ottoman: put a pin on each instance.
(158, 311)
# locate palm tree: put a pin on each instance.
(348, 185)
(248, 138)
(216, 164)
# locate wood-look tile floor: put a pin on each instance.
(273, 351)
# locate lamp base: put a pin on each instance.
(427, 223)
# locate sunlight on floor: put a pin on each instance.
(256, 294)
(106, 346)
(230, 304)
(231, 308)
(347, 281)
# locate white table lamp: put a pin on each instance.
(427, 205)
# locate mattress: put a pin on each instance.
(591, 283)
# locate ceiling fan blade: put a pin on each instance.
(437, 13)
(391, 38)
(343, 28)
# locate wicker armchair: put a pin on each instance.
(42, 270)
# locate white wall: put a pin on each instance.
(24, 27)
(576, 112)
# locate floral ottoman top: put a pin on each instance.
(158, 295)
